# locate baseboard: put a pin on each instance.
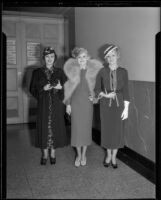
(139, 163)
(139, 158)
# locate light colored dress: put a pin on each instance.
(82, 114)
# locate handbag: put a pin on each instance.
(67, 119)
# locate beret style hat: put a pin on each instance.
(48, 50)
(109, 48)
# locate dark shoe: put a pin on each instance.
(106, 164)
(114, 165)
(43, 161)
(52, 161)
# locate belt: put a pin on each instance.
(116, 98)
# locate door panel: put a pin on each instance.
(51, 31)
(11, 79)
(12, 107)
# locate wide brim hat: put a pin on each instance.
(109, 48)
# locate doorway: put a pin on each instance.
(27, 35)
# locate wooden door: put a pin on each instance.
(27, 36)
(12, 29)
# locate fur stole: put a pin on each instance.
(72, 71)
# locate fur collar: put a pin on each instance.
(72, 71)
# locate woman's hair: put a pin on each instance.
(78, 50)
(49, 50)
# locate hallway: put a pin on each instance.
(27, 179)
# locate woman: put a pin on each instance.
(46, 87)
(81, 72)
(112, 89)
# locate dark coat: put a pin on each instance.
(56, 107)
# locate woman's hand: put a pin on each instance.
(91, 98)
(47, 87)
(58, 86)
(68, 109)
(101, 94)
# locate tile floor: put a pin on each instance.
(27, 179)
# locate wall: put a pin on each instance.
(134, 30)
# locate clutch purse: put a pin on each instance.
(67, 119)
(54, 83)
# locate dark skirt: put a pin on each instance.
(112, 126)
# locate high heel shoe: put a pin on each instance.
(106, 164)
(114, 165)
(77, 162)
(52, 160)
(83, 162)
(43, 161)
(52, 156)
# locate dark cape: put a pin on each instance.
(50, 109)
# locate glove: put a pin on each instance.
(125, 112)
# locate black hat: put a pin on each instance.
(48, 50)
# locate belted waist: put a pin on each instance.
(117, 91)
(110, 100)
